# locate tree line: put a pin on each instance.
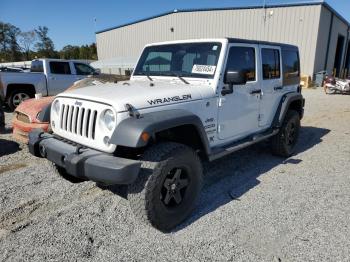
(16, 45)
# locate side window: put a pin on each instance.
(242, 58)
(61, 68)
(290, 64)
(271, 64)
(157, 61)
(37, 66)
(83, 69)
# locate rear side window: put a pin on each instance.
(271, 64)
(291, 64)
(37, 66)
(242, 58)
(61, 68)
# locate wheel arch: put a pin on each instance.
(12, 87)
(289, 101)
(175, 125)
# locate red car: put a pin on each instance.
(26, 117)
(26, 114)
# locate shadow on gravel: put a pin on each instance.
(119, 190)
(227, 179)
(8, 147)
(5, 130)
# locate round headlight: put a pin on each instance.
(108, 119)
(56, 106)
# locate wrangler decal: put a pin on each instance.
(169, 99)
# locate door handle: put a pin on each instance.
(254, 92)
(278, 88)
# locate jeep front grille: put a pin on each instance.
(77, 120)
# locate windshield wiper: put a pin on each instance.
(181, 78)
(150, 78)
(146, 74)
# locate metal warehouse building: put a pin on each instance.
(320, 32)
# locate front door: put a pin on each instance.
(271, 84)
(60, 77)
(239, 111)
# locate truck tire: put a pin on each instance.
(168, 185)
(2, 117)
(62, 173)
(283, 144)
(17, 96)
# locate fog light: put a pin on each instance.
(42, 151)
(106, 140)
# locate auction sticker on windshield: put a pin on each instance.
(203, 69)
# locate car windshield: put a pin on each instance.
(197, 60)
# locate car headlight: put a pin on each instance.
(108, 119)
(56, 106)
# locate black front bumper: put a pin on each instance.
(83, 163)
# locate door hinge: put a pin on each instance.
(221, 101)
(220, 128)
(261, 117)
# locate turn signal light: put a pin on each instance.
(145, 136)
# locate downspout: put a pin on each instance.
(346, 51)
(329, 41)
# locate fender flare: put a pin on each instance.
(286, 101)
(128, 132)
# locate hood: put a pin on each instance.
(141, 94)
(32, 107)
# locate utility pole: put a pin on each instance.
(95, 24)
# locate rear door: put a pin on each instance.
(271, 83)
(238, 112)
(60, 77)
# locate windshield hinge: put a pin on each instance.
(132, 111)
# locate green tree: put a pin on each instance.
(69, 52)
(87, 52)
(45, 46)
(10, 50)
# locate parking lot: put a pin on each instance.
(254, 206)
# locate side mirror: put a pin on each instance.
(234, 77)
(97, 72)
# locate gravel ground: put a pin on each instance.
(254, 206)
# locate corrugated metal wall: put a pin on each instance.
(338, 28)
(295, 25)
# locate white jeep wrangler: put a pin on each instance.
(186, 101)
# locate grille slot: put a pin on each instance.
(78, 120)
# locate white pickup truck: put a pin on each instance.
(47, 76)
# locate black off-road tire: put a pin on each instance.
(283, 144)
(16, 93)
(62, 173)
(146, 195)
(2, 117)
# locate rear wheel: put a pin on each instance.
(283, 144)
(17, 96)
(168, 185)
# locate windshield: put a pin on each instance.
(187, 60)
